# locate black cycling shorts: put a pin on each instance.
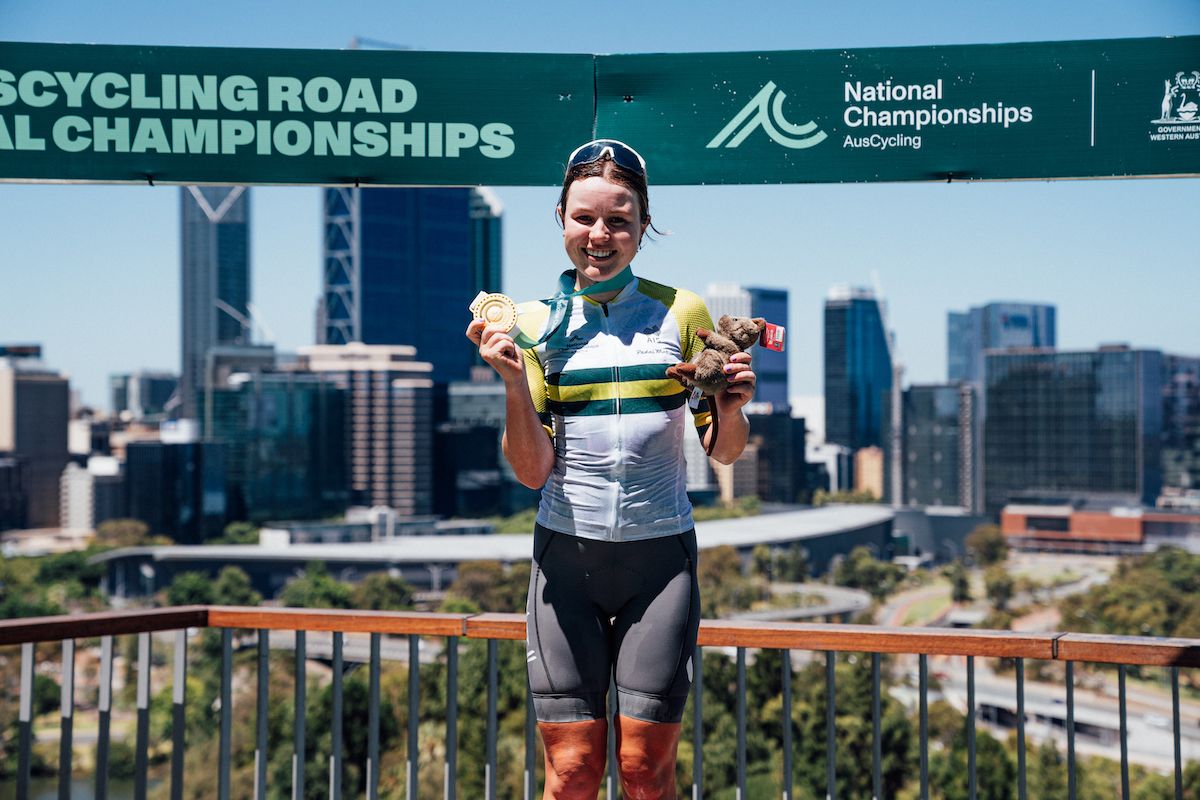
(602, 610)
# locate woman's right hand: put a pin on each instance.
(498, 350)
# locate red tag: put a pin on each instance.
(772, 337)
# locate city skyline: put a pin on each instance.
(109, 253)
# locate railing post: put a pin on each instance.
(450, 791)
(1071, 730)
(490, 765)
(142, 754)
(106, 657)
(335, 755)
(178, 713)
(923, 695)
(373, 722)
(1022, 792)
(262, 700)
(414, 703)
(25, 721)
(66, 721)
(299, 747)
(876, 731)
(741, 723)
(1124, 725)
(972, 780)
(786, 676)
(225, 745)
(1177, 733)
(830, 725)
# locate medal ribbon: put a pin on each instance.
(560, 303)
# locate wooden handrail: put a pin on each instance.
(324, 619)
(106, 623)
(1133, 650)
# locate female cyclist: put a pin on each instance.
(592, 419)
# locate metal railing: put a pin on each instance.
(1069, 648)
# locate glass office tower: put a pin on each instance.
(858, 368)
(285, 442)
(771, 366)
(402, 265)
(939, 446)
(214, 279)
(1080, 427)
(995, 326)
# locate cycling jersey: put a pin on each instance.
(599, 386)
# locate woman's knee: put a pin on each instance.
(646, 757)
(575, 756)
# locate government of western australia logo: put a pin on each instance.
(765, 110)
(1179, 98)
(1178, 115)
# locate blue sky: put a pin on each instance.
(92, 271)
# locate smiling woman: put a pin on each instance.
(614, 593)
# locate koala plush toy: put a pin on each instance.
(707, 369)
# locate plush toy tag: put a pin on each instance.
(772, 337)
(694, 400)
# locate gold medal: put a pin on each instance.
(495, 309)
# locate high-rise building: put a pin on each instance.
(214, 278)
(472, 476)
(771, 366)
(858, 368)
(779, 441)
(402, 265)
(177, 489)
(143, 395)
(995, 326)
(92, 494)
(34, 412)
(727, 298)
(389, 424)
(1073, 427)
(1181, 422)
(12, 495)
(284, 435)
(939, 447)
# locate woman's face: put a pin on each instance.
(602, 226)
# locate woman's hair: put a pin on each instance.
(613, 172)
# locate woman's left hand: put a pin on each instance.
(741, 384)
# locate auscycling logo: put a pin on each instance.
(764, 112)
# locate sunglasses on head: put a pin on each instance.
(621, 154)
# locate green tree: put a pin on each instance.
(791, 564)
(122, 533)
(1048, 770)
(999, 585)
(986, 545)
(995, 771)
(233, 588)
(861, 570)
(238, 533)
(960, 582)
(857, 497)
(316, 588)
(190, 589)
(491, 587)
(381, 592)
(724, 588)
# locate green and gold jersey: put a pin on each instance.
(599, 385)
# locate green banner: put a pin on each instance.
(1045, 110)
(98, 113)
(197, 115)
